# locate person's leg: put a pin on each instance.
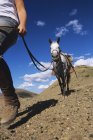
(11, 100)
(6, 84)
(8, 36)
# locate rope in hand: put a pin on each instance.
(34, 60)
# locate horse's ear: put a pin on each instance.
(58, 40)
(50, 41)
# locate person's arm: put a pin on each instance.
(22, 16)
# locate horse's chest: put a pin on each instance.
(58, 67)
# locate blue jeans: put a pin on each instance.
(8, 37)
(8, 33)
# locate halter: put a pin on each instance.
(55, 53)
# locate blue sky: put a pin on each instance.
(69, 19)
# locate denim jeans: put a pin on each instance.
(8, 33)
(8, 37)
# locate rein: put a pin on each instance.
(33, 59)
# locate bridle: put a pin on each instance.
(55, 54)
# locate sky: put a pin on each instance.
(71, 20)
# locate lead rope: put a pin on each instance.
(29, 52)
(34, 60)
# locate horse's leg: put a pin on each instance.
(64, 86)
(64, 77)
(68, 81)
(60, 84)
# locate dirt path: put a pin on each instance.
(49, 116)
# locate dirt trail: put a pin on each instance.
(49, 116)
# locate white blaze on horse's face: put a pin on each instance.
(54, 49)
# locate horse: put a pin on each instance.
(61, 66)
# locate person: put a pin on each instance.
(13, 18)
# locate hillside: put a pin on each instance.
(24, 93)
(50, 116)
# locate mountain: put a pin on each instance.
(50, 116)
(24, 93)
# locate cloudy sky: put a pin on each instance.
(69, 19)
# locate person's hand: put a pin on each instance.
(22, 29)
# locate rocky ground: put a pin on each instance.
(50, 116)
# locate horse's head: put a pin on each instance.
(54, 47)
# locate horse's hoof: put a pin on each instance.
(62, 93)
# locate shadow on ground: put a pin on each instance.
(32, 111)
(68, 93)
(91, 135)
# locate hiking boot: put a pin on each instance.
(12, 101)
(10, 110)
(9, 114)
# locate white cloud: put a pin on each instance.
(87, 62)
(41, 77)
(43, 86)
(71, 25)
(41, 80)
(73, 12)
(26, 85)
(37, 76)
(76, 26)
(80, 57)
(46, 86)
(39, 87)
(40, 23)
(87, 54)
(61, 31)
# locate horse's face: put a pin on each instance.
(54, 48)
